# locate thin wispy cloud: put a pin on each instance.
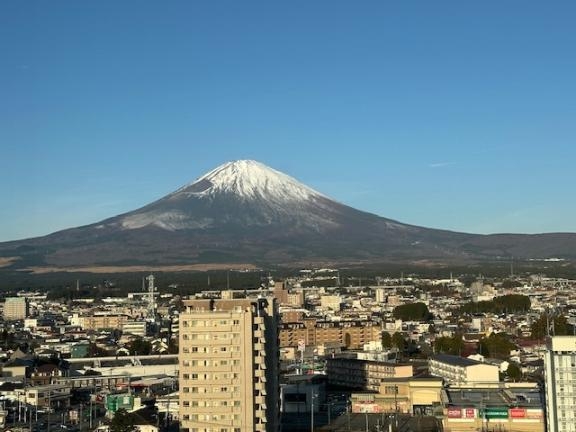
(440, 164)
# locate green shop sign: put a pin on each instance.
(494, 413)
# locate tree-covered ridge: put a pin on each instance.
(509, 303)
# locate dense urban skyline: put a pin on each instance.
(455, 116)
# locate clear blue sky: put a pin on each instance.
(449, 114)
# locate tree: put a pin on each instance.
(514, 372)
(398, 341)
(449, 345)
(412, 312)
(122, 421)
(96, 351)
(140, 346)
(557, 326)
(509, 303)
(497, 345)
(508, 283)
(173, 346)
(386, 340)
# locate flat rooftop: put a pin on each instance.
(496, 397)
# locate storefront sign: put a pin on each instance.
(517, 413)
(495, 413)
(369, 408)
(454, 412)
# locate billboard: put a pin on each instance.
(464, 413)
(517, 413)
(369, 408)
(495, 413)
(454, 412)
(116, 402)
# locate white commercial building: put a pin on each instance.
(460, 370)
(560, 375)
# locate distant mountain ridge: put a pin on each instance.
(246, 212)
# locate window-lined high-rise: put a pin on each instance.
(560, 376)
(228, 362)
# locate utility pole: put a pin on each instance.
(348, 409)
(312, 412)
(90, 415)
(49, 409)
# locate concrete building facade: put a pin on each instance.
(15, 308)
(460, 370)
(349, 334)
(414, 395)
(229, 365)
(364, 374)
(560, 377)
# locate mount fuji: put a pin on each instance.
(246, 212)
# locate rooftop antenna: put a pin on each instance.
(228, 279)
(511, 266)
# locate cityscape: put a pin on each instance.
(304, 216)
(304, 353)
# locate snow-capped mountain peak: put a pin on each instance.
(248, 179)
(243, 191)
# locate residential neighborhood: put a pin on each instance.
(448, 354)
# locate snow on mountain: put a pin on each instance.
(248, 179)
(245, 212)
(243, 190)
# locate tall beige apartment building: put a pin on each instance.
(229, 364)
(15, 308)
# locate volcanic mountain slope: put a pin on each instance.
(246, 212)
